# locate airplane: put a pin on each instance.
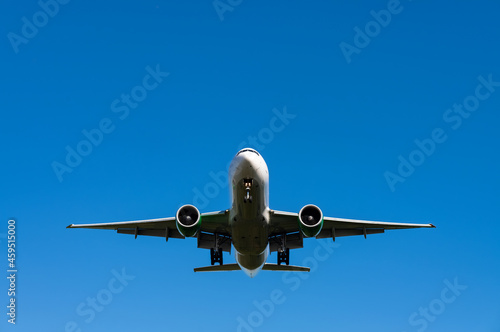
(250, 226)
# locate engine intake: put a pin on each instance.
(188, 220)
(310, 220)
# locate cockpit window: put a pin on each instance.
(250, 150)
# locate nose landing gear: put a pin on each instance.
(247, 183)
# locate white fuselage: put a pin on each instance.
(249, 215)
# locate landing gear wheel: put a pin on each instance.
(284, 256)
(248, 185)
(216, 256)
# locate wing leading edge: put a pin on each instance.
(287, 222)
(212, 222)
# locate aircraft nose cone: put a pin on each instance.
(250, 160)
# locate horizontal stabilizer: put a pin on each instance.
(276, 267)
(266, 267)
(215, 268)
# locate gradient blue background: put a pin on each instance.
(226, 76)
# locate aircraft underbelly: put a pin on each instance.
(250, 236)
(252, 262)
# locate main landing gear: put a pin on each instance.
(284, 257)
(216, 256)
(283, 251)
(248, 186)
(216, 251)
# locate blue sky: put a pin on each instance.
(375, 110)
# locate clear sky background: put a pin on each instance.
(356, 103)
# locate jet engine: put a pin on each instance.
(310, 220)
(188, 220)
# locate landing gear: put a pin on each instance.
(216, 256)
(283, 251)
(248, 185)
(216, 250)
(284, 257)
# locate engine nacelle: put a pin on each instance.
(188, 220)
(310, 220)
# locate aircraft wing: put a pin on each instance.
(287, 222)
(333, 227)
(212, 222)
